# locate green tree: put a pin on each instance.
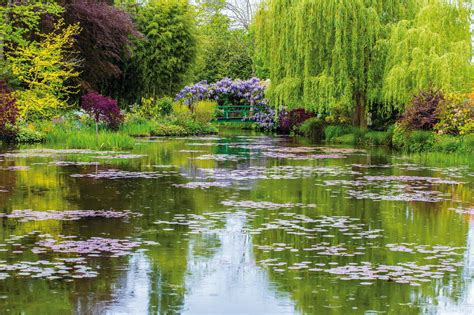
(432, 50)
(161, 60)
(335, 55)
(43, 71)
(224, 51)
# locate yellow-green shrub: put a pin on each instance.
(205, 111)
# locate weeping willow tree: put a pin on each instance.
(432, 50)
(333, 55)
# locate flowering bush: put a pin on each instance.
(102, 109)
(456, 115)
(421, 111)
(288, 121)
(8, 112)
(264, 117)
(225, 91)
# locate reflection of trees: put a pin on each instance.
(401, 222)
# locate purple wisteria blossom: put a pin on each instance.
(226, 91)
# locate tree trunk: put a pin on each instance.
(359, 117)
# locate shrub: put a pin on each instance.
(8, 112)
(181, 111)
(313, 128)
(169, 130)
(102, 109)
(165, 106)
(289, 121)
(467, 144)
(412, 140)
(153, 109)
(27, 134)
(205, 111)
(446, 143)
(264, 118)
(333, 131)
(456, 115)
(377, 138)
(421, 111)
(137, 126)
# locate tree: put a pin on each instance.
(333, 55)
(162, 59)
(224, 51)
(241, 12)
(43, 71)
(104, 41)
(21, 21)
(432, 50)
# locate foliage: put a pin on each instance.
(183, 128)
(446, 143)
(103, 42)
(8, 112)
(44, 72)
(136, 125)
(102, 109)
(360, 56)
(334, 131)
(312, 128)
(226, 92)
(161, 61)
(72, 134)
(421, 111)
(181, 111)
(224, 51)
(204, 111)
(28, 134)
(412, 140)
(22, 20)
(289, 121)
(377, 138)
(431, 50)
(169, 130)
(264, 118)
(153, 109)
(456, 115)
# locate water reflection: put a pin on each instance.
(230, 282)
(261, 235)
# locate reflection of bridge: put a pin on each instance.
(233, 112)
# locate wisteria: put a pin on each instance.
(226, 91)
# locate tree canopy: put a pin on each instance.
(356, 55)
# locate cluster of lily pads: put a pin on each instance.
(250, 204)
(67, 215)
(119, 174)
(74, 266)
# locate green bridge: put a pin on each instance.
(233, 112)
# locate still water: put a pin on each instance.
(233, 225)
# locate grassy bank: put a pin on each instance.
(77, 134)
(415, 141)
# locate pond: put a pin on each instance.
(233, 224)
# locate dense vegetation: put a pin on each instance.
(326, 69)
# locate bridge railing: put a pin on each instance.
(233, 112)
